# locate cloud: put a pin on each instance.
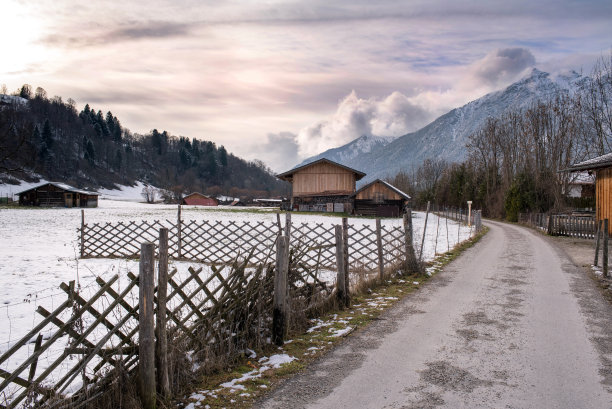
(503, 65)
(394, 115)
(280, 152)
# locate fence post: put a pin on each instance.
(288, 225)
(597, 241)
(550, 225)
(345, 255)
(146, 330)
(424, 231)
(82, 232)
(179, 239)
(162, 336)
(278, 223)
(381, 265)
(411, 261)
(340, 283)
(605, 247)
(280, 313)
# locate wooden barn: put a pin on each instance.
(380, 199)
(322, 186)
(57, 195)
(601, 166)
(198, 199)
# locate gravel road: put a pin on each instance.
(512, 323)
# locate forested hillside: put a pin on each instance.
(88, 148)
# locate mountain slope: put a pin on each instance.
(447, 136)
(346, 153)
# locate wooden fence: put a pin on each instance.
(583, 227)
(218, 242)
(82, 349)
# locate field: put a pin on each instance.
(40, 250)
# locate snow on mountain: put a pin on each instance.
(12, 100)
(346, 153)
(447, 136)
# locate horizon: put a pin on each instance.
(284, 81)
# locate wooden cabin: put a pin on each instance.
(57, 195)
(322, 185)
(601, 166)
(198, 199)
(380, 199)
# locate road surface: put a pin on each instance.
(512, 323)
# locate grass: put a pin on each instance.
(306, 347)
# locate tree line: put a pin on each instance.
(90, 149)
(515, 162)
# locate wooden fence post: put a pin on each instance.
(146, 330)
(280, 313)
(288, 225)
(605, 247)
(163, 381)
(345, 255)
(550, 225)
(411, 261)
(278, 223)
(82, 232)
(340, 283)
(424, 231)
(597, 241)
(179, 239)
(381, 265)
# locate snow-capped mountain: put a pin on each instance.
(345, 153)
(447, 136)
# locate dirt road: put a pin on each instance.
(512, 323)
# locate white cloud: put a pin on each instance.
(394, 115)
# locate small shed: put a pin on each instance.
(198, 199)
(601, 166)
(322, 185)
(380, 199)
(53, 194)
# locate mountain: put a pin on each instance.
(346, 153)
(447, 136)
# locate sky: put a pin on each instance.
(280, 81)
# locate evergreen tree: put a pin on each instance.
(223, 156)
(47, 134)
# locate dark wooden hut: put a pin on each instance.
(54, 194)
(198, 199)
(380, 199)
(322, 185)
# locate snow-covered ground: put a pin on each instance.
(39, 250)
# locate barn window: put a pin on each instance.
(379, 197)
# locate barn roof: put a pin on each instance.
(287, 175)
(62, 186)
(389, 185)
(602, 161)
(197, 194)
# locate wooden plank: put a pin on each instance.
(345, 261)
(280, 313)
(161, 346)
(379, 247)
(146, 333)
(340, 284)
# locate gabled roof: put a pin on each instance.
(62, 186)
(602, 161)
(198, 194)
(390, 186)
(287, 175)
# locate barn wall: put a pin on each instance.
(603, 186)
(323, 177)
(373, 192)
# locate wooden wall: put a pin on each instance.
(323, 177)
(603, 194)
(377, 191)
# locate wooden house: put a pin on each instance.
(322, 185)
(198, 199)
(601, 166)
(57, 195)
(380, 199)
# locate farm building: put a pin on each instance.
(381, 199)
(198, 199)
(601, 166)
(57, 195)
(323, 186)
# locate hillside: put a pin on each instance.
(446, 137)
(50, 139)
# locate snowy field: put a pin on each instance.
(39, 250)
